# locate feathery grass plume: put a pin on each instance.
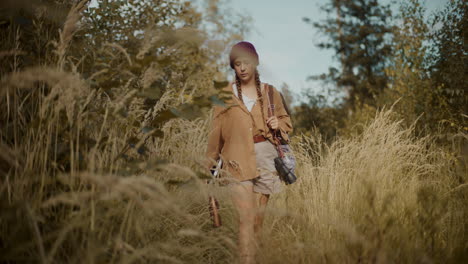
(145, 216)
(151, 74)
(183, 141)
(166, 100)
(121, 49)
(69, 29)
(66, 89)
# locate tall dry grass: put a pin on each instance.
(384, 196)
(74, 186)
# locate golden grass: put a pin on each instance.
(383, 196)
(380, 197)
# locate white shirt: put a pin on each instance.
(249, 102)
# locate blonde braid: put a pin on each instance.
(239, 91)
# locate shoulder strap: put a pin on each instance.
(275, 138)
(271, 112)
(270, 98)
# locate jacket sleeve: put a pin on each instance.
(284, 120)
(215, 139)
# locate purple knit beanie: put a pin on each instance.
(242, 48)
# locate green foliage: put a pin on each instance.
(448, 59)
(409, 78)
(317, 114)
(359, 33)
(421, 67)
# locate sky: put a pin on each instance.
(286, 44)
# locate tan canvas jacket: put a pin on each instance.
(232, 130)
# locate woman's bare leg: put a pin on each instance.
(261, 201)
(244, 200)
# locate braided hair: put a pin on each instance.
(259, 91)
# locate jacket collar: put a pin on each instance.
(235, 101)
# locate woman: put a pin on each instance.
(241, 135)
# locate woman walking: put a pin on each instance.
(241, 135)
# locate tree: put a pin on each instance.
(449, 61)
(408, 77)
(317, 114)
(358, 32)
(426, 72)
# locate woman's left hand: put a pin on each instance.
(272, 122)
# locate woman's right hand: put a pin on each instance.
(273, 122)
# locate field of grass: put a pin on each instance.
(380, 197)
